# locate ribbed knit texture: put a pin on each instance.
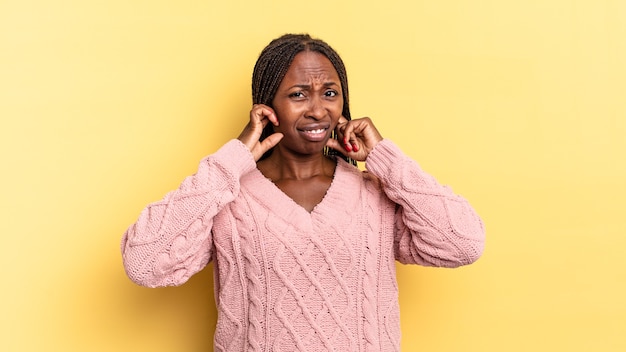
(290, 280)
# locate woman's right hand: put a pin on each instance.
(260, 116)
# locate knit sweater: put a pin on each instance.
(290, 280)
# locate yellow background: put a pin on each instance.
(106, 105)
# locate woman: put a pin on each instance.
(303, 242)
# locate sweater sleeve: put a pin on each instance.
(434, 226)
(172, 238)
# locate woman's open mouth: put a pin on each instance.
(314, 135)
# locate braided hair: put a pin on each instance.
(272, 65)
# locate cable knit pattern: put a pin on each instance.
(253, 282)
(290, 280)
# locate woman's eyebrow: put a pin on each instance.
(301, 86)
(308, 86)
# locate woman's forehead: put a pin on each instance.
(311, 65)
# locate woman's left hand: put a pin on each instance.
(356, 138)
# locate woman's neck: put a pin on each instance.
(279, 166)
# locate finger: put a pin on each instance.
(269, 115)
(273, 118)
(271, 141)
(336, 145)
(339, 147)
(348, 137)
(260, 148)
(355, 146)
(341, 124)
(267, 112)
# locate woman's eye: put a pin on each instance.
(331, 93)
(296, 95)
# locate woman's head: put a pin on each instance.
(275, 60)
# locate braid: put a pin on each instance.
(272, 65)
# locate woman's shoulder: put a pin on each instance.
(363, 177)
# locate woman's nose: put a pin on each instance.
(316, 108)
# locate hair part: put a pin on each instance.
(272, 65)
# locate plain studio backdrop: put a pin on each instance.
(520, 106)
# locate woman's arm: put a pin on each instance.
(172, 240)
(434, 226)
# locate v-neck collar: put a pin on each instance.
(334, 202)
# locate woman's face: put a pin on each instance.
(308, 103)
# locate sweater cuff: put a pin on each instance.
(387, 162)
(383, 157)
(235, 156)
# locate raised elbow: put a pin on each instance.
(474, 251)
(470, 249)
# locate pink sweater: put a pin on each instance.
(290, 280)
